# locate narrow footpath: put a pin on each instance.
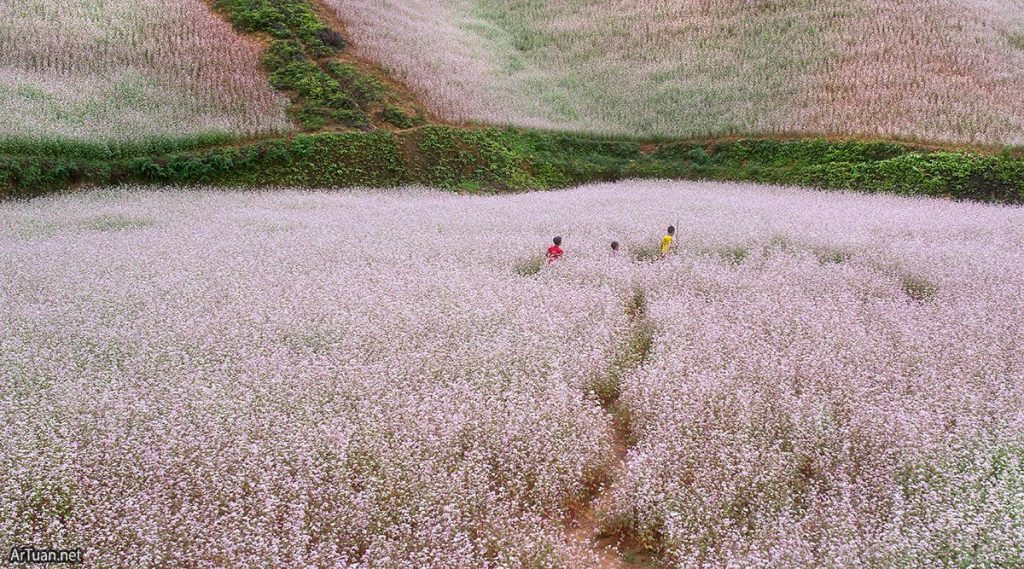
(584, 527)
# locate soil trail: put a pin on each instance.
(584, 527)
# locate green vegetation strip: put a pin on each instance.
(495, 160)
(302, 61)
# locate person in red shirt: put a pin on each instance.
(555, 251)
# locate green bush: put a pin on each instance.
(949, 174)
(331, 39)
(365, 88)
(699, 155)
(349, 118)
(397, 117)
(311, 119)
(282, 53)
(313, 87)
(281, 19)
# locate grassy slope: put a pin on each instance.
(949, 70)
(333, 92)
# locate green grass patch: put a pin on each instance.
(110, 150)
(116, 222)
(529, 266)
(636, 304)
(1016, 40)
(634, 352)
(645, 253)
(917, 288)
(832, 255)
(734, 254)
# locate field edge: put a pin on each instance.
(496, 159)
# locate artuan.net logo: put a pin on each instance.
(30, 554)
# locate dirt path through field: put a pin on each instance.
(584, 527)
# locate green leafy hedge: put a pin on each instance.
(281, 19)
(495, 160)
(951, 174)
(110, 150)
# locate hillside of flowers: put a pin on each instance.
(399, 379)
(940, 70)
(129, 70)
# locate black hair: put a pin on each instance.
(557, 240)
(615, 245)
(671, 229)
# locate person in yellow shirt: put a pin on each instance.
(668, 240)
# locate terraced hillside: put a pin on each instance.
(939, 70)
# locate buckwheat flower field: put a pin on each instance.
(940, 70)
(391, 380)
(127, 70)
